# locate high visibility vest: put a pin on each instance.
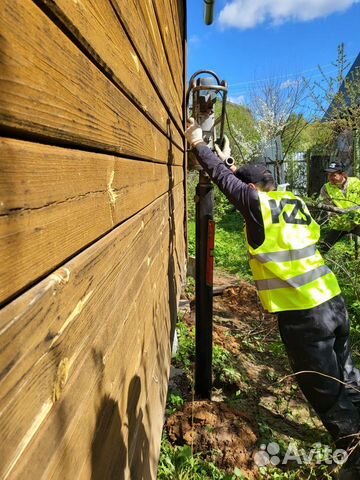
(348, 199)
(288, 270)
(345, 199)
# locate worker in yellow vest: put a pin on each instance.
(293, 282)
(343, 192)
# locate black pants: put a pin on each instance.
(317, 339)
(334, 236)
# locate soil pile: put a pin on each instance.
(252, 403)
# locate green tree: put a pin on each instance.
(336, 99)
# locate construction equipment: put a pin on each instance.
(200, 98)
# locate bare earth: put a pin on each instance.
(256, 407)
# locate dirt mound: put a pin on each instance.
(243, 301)
(252, 404)
(226, 436)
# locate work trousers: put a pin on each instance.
(317, 339)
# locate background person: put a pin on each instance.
(343, 192)
(293, 282)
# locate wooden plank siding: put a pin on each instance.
(92, 238)
(56, 201)
(106, 306)
(95, 26)
(76, 104)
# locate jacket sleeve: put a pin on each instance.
(235, 190)
(244, 198)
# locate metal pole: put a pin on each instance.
(204, 285)
(209, 6)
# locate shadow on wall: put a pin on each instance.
(110, 456)
(108, 448)
(138, 448)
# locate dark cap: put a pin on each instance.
(254, 174)
(335, 167)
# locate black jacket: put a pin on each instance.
(244, 198)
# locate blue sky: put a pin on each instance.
(256, 39)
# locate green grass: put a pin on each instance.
(180, 463)
(230, 246)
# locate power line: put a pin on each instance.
(297, 74)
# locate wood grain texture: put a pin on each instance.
(95, 25)
(173, 51)
(77, 335)
(76, 104)
(140, 22)
(55, 201)
(92, 225)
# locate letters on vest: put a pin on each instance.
(278, 208)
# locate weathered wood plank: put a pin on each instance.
(139, 20)
(149, 16)
(178, 8)
(112, 369)
(178, 19)
(20, 336)
(49, 88)
(164, 19)
(79, 309)
(56, 201)
(127, 382)
(96, 27)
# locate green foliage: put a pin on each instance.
(186, 348)
(308, 472)
(191, 238)
(224, 366)
(190, 285)
(180, 463)
(230, 245)
(345, 222)
(278, 349)
(340, 92)
(174, 402)
(291, 137)
(240, 119)
(318, 138)
(346, 267)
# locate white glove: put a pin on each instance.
(223, 152)
(193, 133)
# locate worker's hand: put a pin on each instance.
(193, 133)
(223, 151)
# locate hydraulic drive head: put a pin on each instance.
(201, 97)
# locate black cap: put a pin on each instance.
(335, 167)
(254, 174)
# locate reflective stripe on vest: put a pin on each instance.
(286, 256)
(295, 282)
(288, 270)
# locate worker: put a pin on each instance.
(343, 192)
(293, 282)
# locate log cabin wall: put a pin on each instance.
(92, 239)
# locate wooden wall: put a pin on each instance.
(91, 233)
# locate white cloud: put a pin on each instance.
(194, 39)
(239, 99)
(245, 14)
(289, 83)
